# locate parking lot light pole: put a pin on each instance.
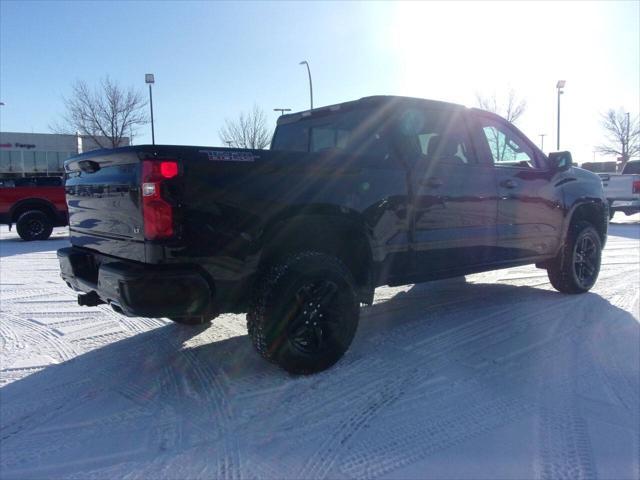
(559, 86)
(542, 135)
(149, 79)
(304, 62)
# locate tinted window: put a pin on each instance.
(508, 148)
(25, 182)
(327, 137)
(49, 181)
(7, 183)
(292, 137)
(632, 168)
(37, 182)
(356, 132)
(434, 135)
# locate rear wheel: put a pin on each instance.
(304, 313)
(34, 225)
(576, 268)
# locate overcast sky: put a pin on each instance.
(213, 59)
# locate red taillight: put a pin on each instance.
(168, 169)
(157, 213)
(636, 186)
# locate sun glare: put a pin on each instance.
(451, 51)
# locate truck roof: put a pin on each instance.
(375, 100)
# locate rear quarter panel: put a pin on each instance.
(229, 205)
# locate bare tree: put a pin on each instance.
(512, 110)
(105, 114)
(248, 131)
(622, 136)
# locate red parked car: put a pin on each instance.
(34, 204)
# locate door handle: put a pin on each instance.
(433, 182)
(508, 183)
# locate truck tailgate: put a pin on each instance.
(104, 200)
(621, 186)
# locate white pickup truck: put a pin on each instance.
(623, 190)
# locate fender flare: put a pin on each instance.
(579, 203)
(33, 203)
(295, 228)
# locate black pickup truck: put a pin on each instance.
(377, 191)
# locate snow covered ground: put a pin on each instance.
(496, 377)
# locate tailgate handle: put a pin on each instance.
(88, 166)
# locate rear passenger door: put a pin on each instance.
(453, 194)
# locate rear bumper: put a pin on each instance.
(137, 289)
(625, 205)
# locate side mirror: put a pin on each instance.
(560, 161)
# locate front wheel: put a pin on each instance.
(304, 312)
(576, 268)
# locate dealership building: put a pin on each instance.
(42, 154)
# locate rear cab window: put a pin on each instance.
(353, 131)
(632, 168)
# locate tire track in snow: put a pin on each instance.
(463, 410)
(192, 407)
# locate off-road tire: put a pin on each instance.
(565, 270)
(304, 312)
(34, 225)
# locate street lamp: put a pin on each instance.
(560, 85)
(542, 135)
(148, 78)
(281, 110)
(304, 62)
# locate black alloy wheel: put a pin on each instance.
(304, 312)
(576, 267)
(317, 313)
(586, 261)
